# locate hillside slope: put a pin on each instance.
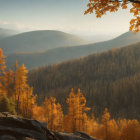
(7, 32)
(57, 55)
(110, 79)
(37, 41)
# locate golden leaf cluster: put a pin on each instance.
(101, 7)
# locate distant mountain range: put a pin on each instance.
(7, 32)
(60, 54)
(38, 41)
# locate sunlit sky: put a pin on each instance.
(63, 15)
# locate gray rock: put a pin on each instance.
(15, 128)
(7, 137)
(83, 135)
(73, 136)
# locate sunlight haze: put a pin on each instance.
(63, 15)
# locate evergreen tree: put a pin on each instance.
(20, 85)
(2, 69)
(77, 111)
(2, 63)
(8, 83)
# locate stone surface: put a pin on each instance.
(15, 128)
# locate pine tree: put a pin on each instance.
(53, 114)
(70, 118)
(2, 63)
(59, 118)
(27, 102)
(20, 85)
(8, 83)
(2, 70)
(77, 111)
(81, 116)
(105, 122)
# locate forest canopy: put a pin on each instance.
(119, 92)
(101, 7)
(110, 79)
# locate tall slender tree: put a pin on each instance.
(2, 69)
(8, 83)
(20, 85)
(53, 114)
(2, 63)
(77, 111)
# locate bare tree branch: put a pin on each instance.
(133, 1)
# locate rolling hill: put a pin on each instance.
(7, 32)
(38, 41)
(57, 55)
(110, 79)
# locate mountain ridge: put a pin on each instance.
(58, 55)
(40, 40)
(7, 32)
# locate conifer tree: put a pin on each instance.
(2, 69)
(81, 109)
(71, 117)
(53, 114)
(76, 115)
(59, 118)
(105, 122)
(27, 102)
(2, 63)
(20, 85)
(8, 83)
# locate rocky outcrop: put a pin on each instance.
(73, 136)
(15, 128)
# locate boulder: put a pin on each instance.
(15, 128)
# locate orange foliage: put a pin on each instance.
(76, 117)
(27, 101)
(101, 7)
(8, 82)
(130, 129)
(51, 113)
(14, 85)
(22, 91)
(2, 63)
(2, 69)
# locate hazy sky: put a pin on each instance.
(64, 15)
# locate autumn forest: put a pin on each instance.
(18, 98)
(70, 70)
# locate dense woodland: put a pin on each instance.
(110, 79)
(17, 97)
